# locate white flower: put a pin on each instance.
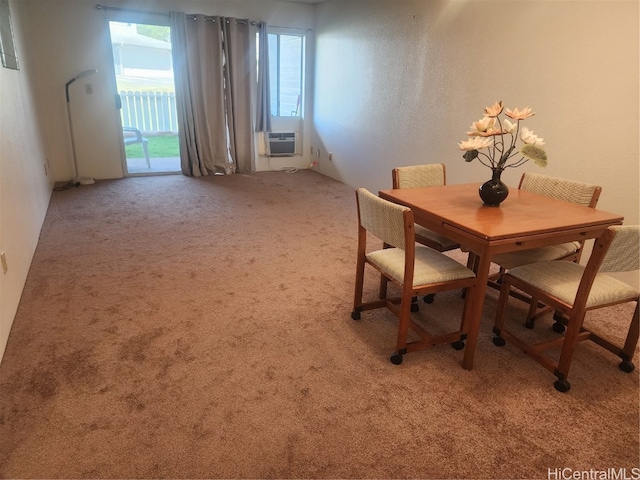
(493, 141)
(508, 127)
(476, 143)
(528, 137)
(482, 127)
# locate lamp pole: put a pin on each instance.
(77, 179)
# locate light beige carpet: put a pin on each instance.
(174, 327)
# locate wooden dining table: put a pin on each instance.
(524, 220)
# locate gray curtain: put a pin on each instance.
(263, 114)
(240, 87)
(213, 93)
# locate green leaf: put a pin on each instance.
(470, 155)
(534, 153)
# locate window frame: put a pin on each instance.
(292, 32)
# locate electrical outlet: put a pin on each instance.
(330, 157)
(88, 87)
(3, 258)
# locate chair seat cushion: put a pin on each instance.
(562, 278)
(447, 243)
(542, 254)
(430, 266)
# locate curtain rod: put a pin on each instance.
(165, 14)
(128, 10)
(208, 18)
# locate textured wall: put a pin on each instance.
(399, 83)
(25, 188)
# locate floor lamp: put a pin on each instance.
(77, 179)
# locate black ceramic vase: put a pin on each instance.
(494, 191)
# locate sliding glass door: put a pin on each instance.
(144, 77)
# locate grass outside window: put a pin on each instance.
(160, 146)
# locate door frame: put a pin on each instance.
(131, 17)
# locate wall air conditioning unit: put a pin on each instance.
(282, 144)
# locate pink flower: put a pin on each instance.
(494, 110)
(493, 140)
(520, 115)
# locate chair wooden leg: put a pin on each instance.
(471, 261)
(464, 322)
(403, 327)
(531, 315)
(571, 338)
(631, 342)
(414, 304)
(501, 311)
(384, 283)
(357, 296)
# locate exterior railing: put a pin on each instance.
(149, 112)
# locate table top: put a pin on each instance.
(523, 213)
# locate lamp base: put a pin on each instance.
(82, 181)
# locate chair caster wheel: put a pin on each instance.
(626, 366)
(498, 341)
(562, 385)
(396, 359)
(529, 324)
(355, 315)
(415, 307)
(558, 327)
(429, 298)
(459, 345)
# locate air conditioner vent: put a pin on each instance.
(282, 144)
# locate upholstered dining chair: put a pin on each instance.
(573, 290)
(568, 190)
(416, 269)
(418, 176)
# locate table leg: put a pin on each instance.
(475, 312)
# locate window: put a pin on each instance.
(286, 60)
(7, 47)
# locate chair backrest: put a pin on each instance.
(570, 191)
(623, 254)
(611, 253)
(417, 176)
(386, 220)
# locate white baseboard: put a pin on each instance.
(267, 164)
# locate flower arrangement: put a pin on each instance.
(499, 138)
